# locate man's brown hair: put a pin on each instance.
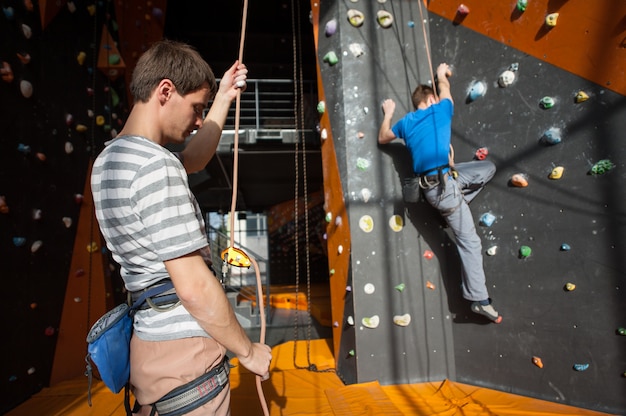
(172, 60)
(421, 94)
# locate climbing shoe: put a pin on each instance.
(486, 310)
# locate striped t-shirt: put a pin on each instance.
(147, 215)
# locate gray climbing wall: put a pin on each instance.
(574, 225)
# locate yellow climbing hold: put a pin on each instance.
(556, 173)
(581, 96)
(366, 223)
(371, 322)
(402, 320)
(93, 247)
(384, 18)
(396, 223)
(355, 17)
(551, 19)
(570, 286)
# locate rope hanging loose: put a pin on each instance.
(231, 250)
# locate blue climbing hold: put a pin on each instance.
(552, 136)
(581, 367)
(487, 219)
(477, 90)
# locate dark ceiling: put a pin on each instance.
(267, 172)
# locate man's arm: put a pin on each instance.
(201, 148)
(385, 134)
(203, 297)
(443, 85)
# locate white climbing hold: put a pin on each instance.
(371, 322)
(402, 320)
(369, 288)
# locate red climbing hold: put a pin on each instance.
(482, 153)
(463, 10)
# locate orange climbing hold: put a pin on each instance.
(537, 361)
(520, 180)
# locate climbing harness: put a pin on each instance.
(233, 256)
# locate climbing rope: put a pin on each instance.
(427, 46)
(231, 252)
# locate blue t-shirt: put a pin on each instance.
(427, 135)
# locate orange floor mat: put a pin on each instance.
(293, 390)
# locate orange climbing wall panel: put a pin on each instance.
(589, 39)
(338, 263)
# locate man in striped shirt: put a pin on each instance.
(154, 228)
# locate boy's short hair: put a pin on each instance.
(176, 61)
(421, 94)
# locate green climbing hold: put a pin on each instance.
(621, 331)
(524, 251)
(351, 353)
(331, 58)
(400, 287)
(321, 107)
(547, 102)
(521, 5)
(602, 166)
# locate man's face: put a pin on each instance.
(185, 114)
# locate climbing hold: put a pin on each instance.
(79, 272)
(430, 285)
(371, 322)
(477, 90)
(339, 249)
(19, 241)
(362, 164)
(100, 120)
(355, 17)
(366, 223)
(331, 27)
(9, 13)
(40, 156)
(402, 320)
(411, 24)
(384, 19)
(6, 72)
(552, 136)
(36, 246)
(49, 331)
(69, 148)
(324, 134)
(356, 49)
(328, 217)
(602, 166)
(27, 31)
(581, 367)
(366, 194)
(81, 128)
(520, 180)
(23, 57)
(331, 272)
(369, 288)
(537, 361)
(506, 78)
(4, 208)
(321, 107)
(93, 247)
(521, 5)
(351, 353)
(463, 10)
(491, 251)
(396, 223)
(348, 288)
(524, 251)
(338, 221)
(556, 173)
(570, 286)
(23, 148)
(26, 88)
(581, 96)
(487, 219)
(546, 102)
(565, 247)
(31, 371)
(33, 305)
(331, 58)
(77, 299)
(481, 153)
(400, 287)
(67, 221)
(428, 255)
(551, 19)
(335, 324)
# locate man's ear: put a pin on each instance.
(165, 89)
